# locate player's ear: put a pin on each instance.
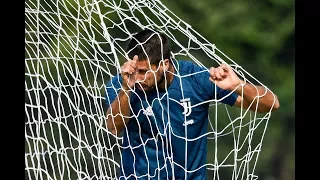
(166, 64)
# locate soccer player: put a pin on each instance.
(157, 103)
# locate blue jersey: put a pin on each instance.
(165, 138)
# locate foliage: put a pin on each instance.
(259, 36)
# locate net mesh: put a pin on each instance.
(72, 48)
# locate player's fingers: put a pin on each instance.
(134, 70)
(124, 72)
(225, 67)
(127, 69)
(128, 64)
(132, 63)
(133, 77)
(135, 58)
(218, 76)
(212, 74)
(221, 72)
(130, 70)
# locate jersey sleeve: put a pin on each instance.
(208, 88)
(112, 89)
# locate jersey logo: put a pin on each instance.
(148, 111)
(186, 106)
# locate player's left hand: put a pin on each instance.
(224, 77)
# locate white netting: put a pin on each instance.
(73, 47)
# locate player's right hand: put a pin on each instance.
(128, 73)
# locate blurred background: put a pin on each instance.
(67, 70)
(260, 36)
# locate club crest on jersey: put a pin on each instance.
(186, 103)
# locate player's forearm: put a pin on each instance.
(118, 108)
(266, 100)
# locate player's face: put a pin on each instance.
(146, 76)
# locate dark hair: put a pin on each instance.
(150, 46)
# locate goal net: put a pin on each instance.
(72, 49)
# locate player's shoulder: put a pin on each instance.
(115, 80)
(188, 67)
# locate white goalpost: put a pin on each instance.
(73, 48)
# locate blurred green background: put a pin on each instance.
(258, 35)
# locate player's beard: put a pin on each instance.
(156, 86)
(162, 78)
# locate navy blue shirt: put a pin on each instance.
(165, 136)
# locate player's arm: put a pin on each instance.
(248, 98)
(119, 109)
(224, 77)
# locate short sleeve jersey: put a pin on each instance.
(166, 137)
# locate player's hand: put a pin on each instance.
(224, 77)
(128, 73)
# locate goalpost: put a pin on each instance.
(72, 49)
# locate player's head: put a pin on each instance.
(149, 45)
(153, 51)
